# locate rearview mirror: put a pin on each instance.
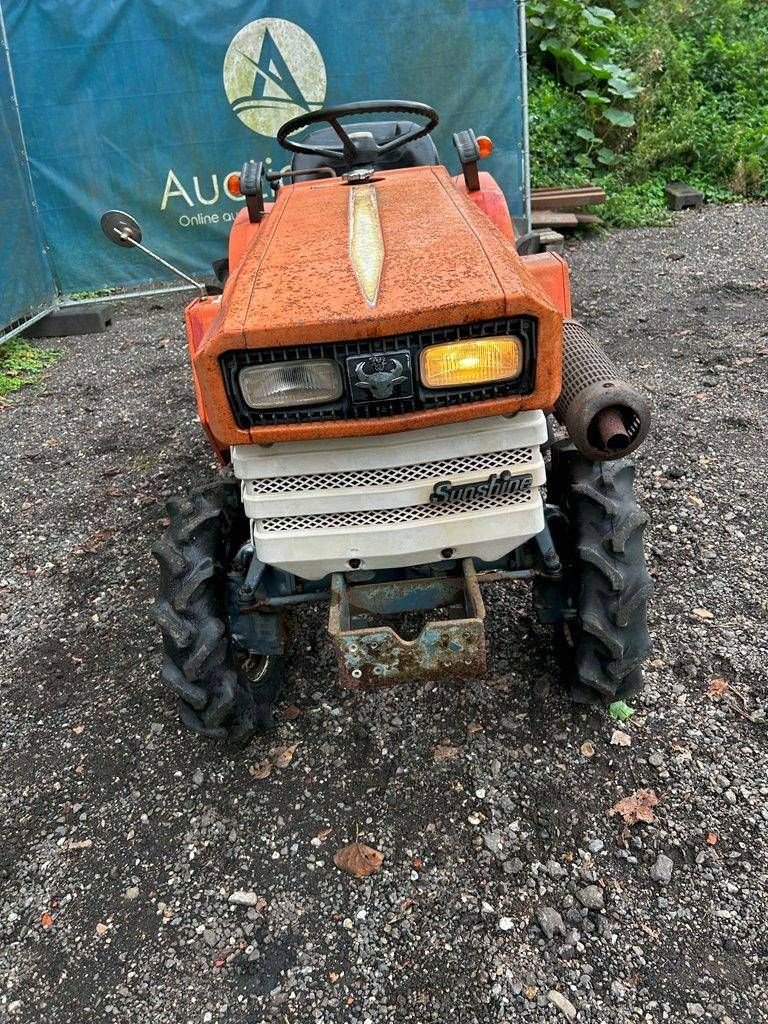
(121, 228)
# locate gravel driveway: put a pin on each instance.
(507, 892)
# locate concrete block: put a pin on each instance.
(71, 320)
(683, 197)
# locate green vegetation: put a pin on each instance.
(21, 364)
(635, 93)
(99, 293)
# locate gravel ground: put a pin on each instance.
(507, 892)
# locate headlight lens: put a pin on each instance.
(305, 382)
(478, 361)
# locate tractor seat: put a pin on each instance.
(419, 153)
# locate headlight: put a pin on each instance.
(304, 382)
(479, 361)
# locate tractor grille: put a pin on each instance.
(389, 516)
(423, 399)
(367, 478)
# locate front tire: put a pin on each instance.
(604, 645)
(221, 693)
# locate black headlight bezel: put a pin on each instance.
(420, 400)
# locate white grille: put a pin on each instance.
(364, 478)
(388, 516)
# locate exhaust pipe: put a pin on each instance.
(605, 417)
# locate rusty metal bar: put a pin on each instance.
(322, 596)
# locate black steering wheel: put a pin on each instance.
(361, 151)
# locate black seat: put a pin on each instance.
(419, 153)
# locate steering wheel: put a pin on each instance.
(361, 151)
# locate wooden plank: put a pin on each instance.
(559, 190)
(588, 219)
(566, 198)
(553, 219)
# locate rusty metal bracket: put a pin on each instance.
(372, 657)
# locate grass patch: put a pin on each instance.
(98, 293)
(691, 87)
(22, 364)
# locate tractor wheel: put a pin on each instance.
(604, 645)
(223, 692)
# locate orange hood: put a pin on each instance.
(407, 251)
(442, 262)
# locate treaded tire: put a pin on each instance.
(605, 646)
(214, 698)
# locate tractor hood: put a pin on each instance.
(404, 251)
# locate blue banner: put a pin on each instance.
(26, 285)
(146, 106)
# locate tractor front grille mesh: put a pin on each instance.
(422, 399)
(388, 516)
(366, 478)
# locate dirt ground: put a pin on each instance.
(507, 893)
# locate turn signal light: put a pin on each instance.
(232, 184)
(484, 146)
(479, 361)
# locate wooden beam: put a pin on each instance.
(566, 198)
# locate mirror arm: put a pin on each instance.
(179, 273)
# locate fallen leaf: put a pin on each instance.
(703, 613)
(97, 541)
(717, 687)
(620, 711)
(261, 770)
(638, 806)
(281, 757)
(323, 834)
(46, 920)
(358, 860)
(445, 752)
(621, 739)
(291, 712)
(587, 748)
(474, 727)
(278, 757)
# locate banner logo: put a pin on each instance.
(273, 71)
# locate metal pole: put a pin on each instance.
(169, 266)
(524, 113)
(116, 296)
(20, 328)
(13, 331)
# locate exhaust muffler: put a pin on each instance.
(605, 417)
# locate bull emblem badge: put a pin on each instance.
(379, 375)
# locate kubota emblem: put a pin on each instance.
(379, 377)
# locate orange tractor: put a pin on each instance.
(405, 412)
